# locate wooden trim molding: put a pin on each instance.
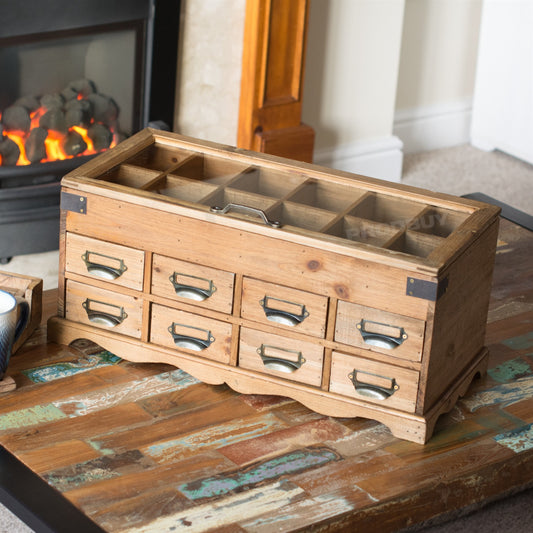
(270, 108)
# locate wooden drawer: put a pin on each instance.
(269, 303)
(379, 331)
(204, 286)
(374, 381)
(104, 309)
(97, 259)
(191, 333)
(286, 358)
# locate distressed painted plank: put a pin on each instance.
(518, 440)
(457, 435)
(260, 402)
(372, 436)
(237, 431)
(303, 514)
(514, 326)
(30, 416)
(46, 373)
(58, 455)
(39, 393)
(444, 441)
(522, 410)
(508, 309)
(263, 500)
(429, 470)
(106, 493)
(167, 429)
(340, 475)
(284, 440)
(294, 413)
(272, 469)
(98, 423)
(31, 357)
(133, 391)
(136, 512)
(510, 370)
(520, 342)
(502, 395)
(185, 399)
(80, 474)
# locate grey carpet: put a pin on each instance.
(465, 169)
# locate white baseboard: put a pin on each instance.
(430, 128)
(381, 158)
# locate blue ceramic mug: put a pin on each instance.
(14, 317)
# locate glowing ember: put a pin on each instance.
(79, 121)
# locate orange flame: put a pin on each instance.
(52, 142)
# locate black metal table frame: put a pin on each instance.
(36, 503)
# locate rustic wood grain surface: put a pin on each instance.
(146, 447)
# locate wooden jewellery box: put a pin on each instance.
(351, 295)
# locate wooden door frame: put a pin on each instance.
(270, 106)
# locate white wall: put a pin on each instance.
(502, 115)
(437, 73)
(353, 53)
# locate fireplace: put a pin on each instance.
(75, 79)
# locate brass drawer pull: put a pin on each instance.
(201, 289)
(373, 390)
(380, 334)
(247, 210)
(103, 313)
(275, 313)
(280, 359)
(104, 270)
(198, 341)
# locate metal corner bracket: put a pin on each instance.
(73, 202)
(427, 290)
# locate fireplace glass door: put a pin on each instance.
(69, 96)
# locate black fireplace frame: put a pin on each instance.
(34, 226)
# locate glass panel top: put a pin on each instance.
(338, 212)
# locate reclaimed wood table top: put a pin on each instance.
(146, 447)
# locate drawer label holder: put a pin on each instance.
(109, 268)
(281, 359)
(190, 337)
(104, 313)
(292, 315)
(380, 335)
(374, 390)
(200, 289)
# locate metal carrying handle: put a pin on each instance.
(380, 339)
(283, 316)
(182, 338)
(372, 390)
(273, 360)
(103, 270)
(100, 316)
(192, 292)
(247, 210)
